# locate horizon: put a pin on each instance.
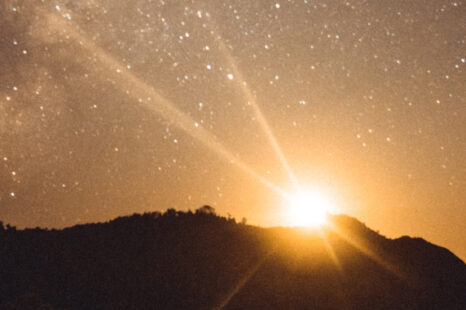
(308, 230)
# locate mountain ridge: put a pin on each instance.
(198, 260)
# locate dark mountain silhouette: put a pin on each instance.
(186, 260)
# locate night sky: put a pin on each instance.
(113, 107)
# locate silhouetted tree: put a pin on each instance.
(230, 218)
(206, 210)
(170, 212)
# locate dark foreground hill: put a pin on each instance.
(201, 261)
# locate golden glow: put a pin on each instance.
(309, 208)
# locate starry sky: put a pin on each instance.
(113, 107)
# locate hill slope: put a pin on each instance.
(201, 261)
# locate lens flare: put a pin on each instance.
(149, 97)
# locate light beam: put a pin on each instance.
(238, 76)
(241, 283)
(153, 100)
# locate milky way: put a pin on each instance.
(113, 107)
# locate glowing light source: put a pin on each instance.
(309, 208)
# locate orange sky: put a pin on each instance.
(110, 108)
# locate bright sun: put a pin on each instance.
(309, 208)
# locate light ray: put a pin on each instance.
(393, 269)
(149, 97)
(251, 272)
(238, 76)
(331, 251)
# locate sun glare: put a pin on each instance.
(309, 208)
